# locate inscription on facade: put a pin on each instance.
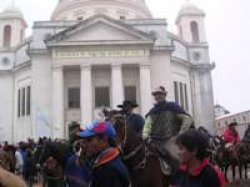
(60, 54)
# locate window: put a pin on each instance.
(176, 92)
(186, 97)
(122, 17)
(130, 93)
(7, 36)
(102, 96)
(28, 101)
(182, 95)
(19, 103)
(23, 102)
(74, 98)
(195, 31)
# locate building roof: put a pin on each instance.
(74, 9)
(189, 9)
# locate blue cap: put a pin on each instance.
(99, 128)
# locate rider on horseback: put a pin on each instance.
(231, 136)
(163, 122)
(135, 120)
(247, 135)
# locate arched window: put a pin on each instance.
(7, 36)
(195, 31)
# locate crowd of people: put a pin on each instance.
(96, 156)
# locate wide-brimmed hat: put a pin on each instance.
(159, 89)
(99, 128)
(128, 103)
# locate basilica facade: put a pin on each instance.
(95, 53)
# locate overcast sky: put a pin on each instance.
(228, 34)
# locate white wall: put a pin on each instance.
(6, 103)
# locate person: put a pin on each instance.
(7, 179)
(77, 174)
(162, 124)
(195, 169)
(104, 160)
(246, 137)
(231, 136)
(135, 120)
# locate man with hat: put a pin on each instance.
(163, 123)
(135, 120)
(231, 136)
(107, 167)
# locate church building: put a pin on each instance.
(95, 53)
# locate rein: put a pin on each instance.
(142, 163)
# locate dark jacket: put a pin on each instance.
(111, 173)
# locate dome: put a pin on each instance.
(190, 9)
(12, 12)
(117, 9)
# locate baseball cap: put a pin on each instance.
(99, 128)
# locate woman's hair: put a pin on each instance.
(239, 183)
(193, 140)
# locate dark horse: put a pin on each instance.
(237, 155)
(53, 158)
(144, 167)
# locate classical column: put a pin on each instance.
(117, 85)
(145, 88)
(86, 95)
(58, 102)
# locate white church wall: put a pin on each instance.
(21, 54)
(181, 74)
(42, 94)
(180, 51)
(161, 71)
(6, 103)
(23, 128)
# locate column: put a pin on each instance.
(145, 88)
(58, 102)
(117, 93)
(86, 95)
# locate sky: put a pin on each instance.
(228, 35)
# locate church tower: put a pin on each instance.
(191, 27)
(12, 28)
(190, 23)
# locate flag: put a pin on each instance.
(43, 127)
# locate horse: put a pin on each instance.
(234, 156)
(53, 158)
(144, 167)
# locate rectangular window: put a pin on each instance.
(19, 103)
(186, 97)
(182, 95)
(130, 93)
(176, 92)
(74, 97)
(23, 102)
(102, 96)
(28, 101)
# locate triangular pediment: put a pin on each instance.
(99, 29)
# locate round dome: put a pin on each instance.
(117, 9)
(12, 12)
(190, 9)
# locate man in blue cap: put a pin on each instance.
(106, 164)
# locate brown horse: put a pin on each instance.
(144, 167)
(236, 155)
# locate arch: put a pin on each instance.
(7, 36)
(195, 31)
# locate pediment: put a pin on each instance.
(99, 29)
